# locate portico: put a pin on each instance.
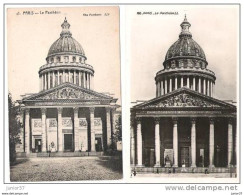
(73, 126)
(198, 132)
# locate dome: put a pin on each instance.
(185, 46)
(66, 43)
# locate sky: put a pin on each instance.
(214, 28)
(29, 38)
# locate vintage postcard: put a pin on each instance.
(64, 93)
(184, 64)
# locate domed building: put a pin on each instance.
(67, 115)
(184, 126)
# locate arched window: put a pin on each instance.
(74, 59)
(58, 59)
(80, 59)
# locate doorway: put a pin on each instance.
(184, 156)
(68, 142)
(98, 141)
(38, 145)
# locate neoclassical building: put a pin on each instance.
(184, 125)
(67, 115)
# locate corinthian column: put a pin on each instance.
(170, 84)
(93, 146)
(176, 83)
(230, 142)
(139, 143)
(211, 143)
(79, 79)
(199, 85)
(157, 142)
(108, 122)
(60, 128)
(44, 130)
(193, 142)
(27, 130)
(132, 147)
(204, 86)
(188, 82)
(181, 81)
(175, 141)
(166, 86)
(194, 83)
(76, 126)
(162, 87)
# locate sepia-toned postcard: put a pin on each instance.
(184, 64)
(64, 93)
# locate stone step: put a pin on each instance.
(184, 170)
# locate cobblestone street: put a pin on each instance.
(67, 169)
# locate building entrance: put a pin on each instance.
(184, 156)
(99, 144)
(68, 142)
(38, 145)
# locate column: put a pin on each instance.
(84, 79)
(93, 148)
(199, 85)
(194, 83)
(48, 76)
(157, 142)
(139, 143)
(207, 87)
(212, 89)
(181, 81)
(162, 87)
(188, 82)
(175, 142)
(89, 81)
(58, 78)
(132, 147)
(92, 82)
(108, 122)
(44, 130)
(193, 142)
(76, 131)
(170, 84)
(211, 143)
(53, 79)
(176, 83)
(27, 130)
(166, 86)
(75, 77)
(60, 130)
(79, 79)
(230, 142)
(204, 86)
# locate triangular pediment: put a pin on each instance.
(184, 98)
(67, 91)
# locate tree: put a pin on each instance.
(14, 127)
(118, 129)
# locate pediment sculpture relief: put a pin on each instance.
(183, 100)
(67, 93)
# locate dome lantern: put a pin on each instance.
(65, 26)
(185, 25)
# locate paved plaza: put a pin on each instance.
(67, 169)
